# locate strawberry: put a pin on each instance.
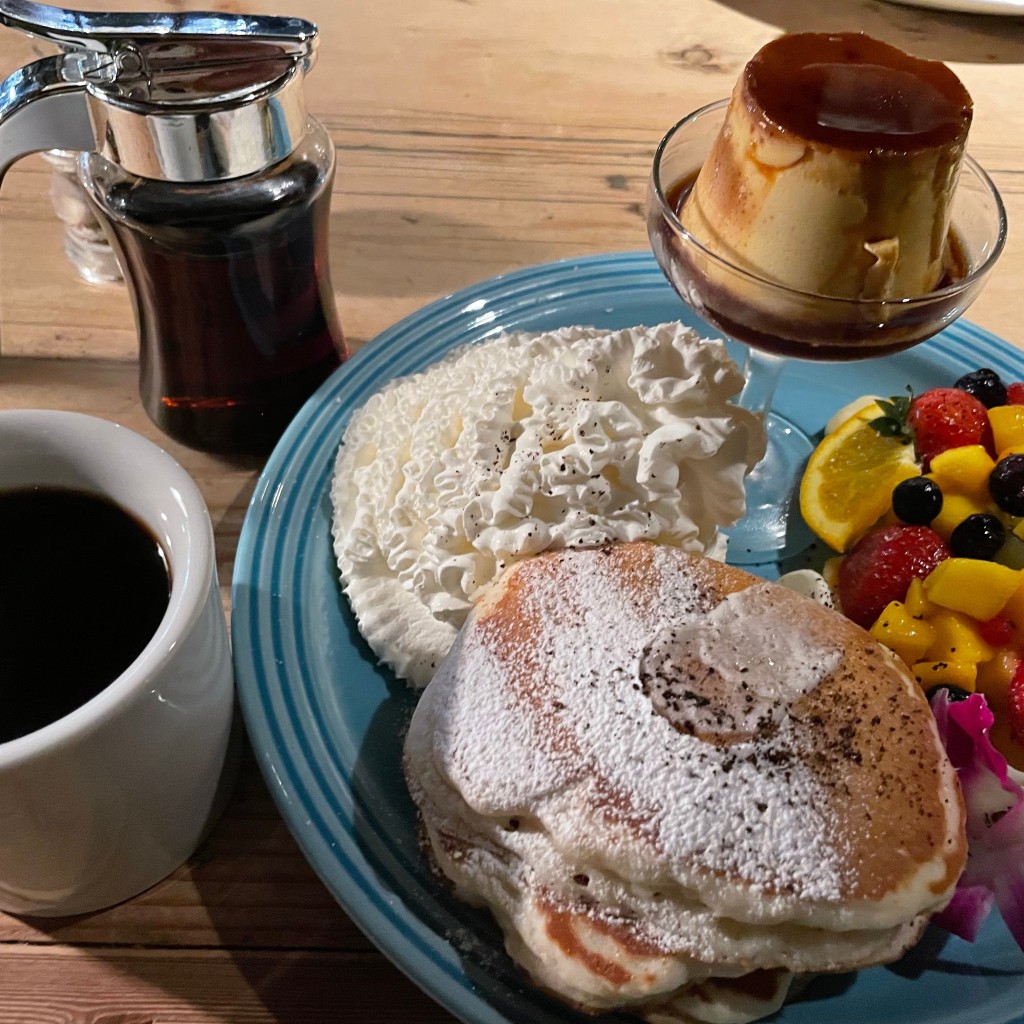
(997, 632)
(1015, 697)
(882, 564)
(943, 418)
(1015, 393)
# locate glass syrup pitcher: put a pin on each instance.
(213, 185)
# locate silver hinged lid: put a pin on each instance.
(178, 97)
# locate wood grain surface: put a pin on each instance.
(473, 137)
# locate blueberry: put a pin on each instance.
(979, 536)
(954, 693)
(1006, 484)
(985, 385)
(917, 501)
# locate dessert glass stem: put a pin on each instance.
(772, 530)
(762, 370)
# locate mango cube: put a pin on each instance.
(956, 638)
(972, 585)
(916, 602)
(1007, 425)
(964, 470)
(994, 676)
(955, 509)
(902, 633)
(955, 673)
(1013, 609)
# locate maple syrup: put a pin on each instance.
(232, 294)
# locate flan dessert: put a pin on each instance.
(835, 168)
(679, 787)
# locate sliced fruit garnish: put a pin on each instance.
(848, 483)
(944, 418)
(881, 567)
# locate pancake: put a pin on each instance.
(676, 785)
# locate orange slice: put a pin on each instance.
(847, 486)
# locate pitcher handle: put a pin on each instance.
(44, 106)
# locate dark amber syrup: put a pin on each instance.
(805, 338)
(232, 295)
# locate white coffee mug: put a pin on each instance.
(101, 804)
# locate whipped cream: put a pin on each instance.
(523, 443)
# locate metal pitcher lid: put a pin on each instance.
(181, 97)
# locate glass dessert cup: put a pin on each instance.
(775, 322)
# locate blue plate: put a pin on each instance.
(327, 721)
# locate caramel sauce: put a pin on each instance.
(804, 338)
(853, 92)
(677, 194)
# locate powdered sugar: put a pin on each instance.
(651, 784)
(613, 781)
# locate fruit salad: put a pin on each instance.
(922, 499)
(922, 496)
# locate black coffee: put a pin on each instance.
(83, 587)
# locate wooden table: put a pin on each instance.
(473, 137)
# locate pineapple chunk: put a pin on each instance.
(830, 572)
(965, 471)
(902, 633)
(1012, 552)
(956, 638)
(1007, 425)
(955, 673)
(972, 585)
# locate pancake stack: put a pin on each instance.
(677, 786)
